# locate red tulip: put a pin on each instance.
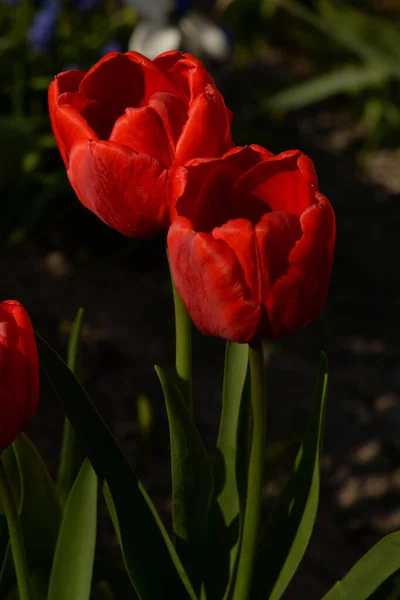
(123, 124)
(251, 243)
(19, 371)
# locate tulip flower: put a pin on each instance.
(125, 123)
(19, 372)
(251, 244)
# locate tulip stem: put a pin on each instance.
(254, 496)
(16, 539)
(183, 347)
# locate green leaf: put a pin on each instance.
(192, 481)
(39, 506)
(348, 79)
(71, 449)
(368, 574)
(144, 541)
(71, 574)
(286, 535)
(224, 530)
(373, 39)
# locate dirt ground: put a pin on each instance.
(129, 329)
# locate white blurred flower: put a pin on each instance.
(151, 39)
(193, 32)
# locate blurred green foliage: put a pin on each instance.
(344, 52)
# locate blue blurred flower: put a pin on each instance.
(87, 5)
(43, 25)
(112, 46)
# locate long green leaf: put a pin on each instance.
(71, 449)
(224, 530)
(192, 481)
(144, 541)
(368, 574)
(39, 506)
(288, 532)
(348, 79)
(374, 39)
(71, 574)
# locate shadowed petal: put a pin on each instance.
(280, 183)
(298, 296)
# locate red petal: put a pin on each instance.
(276, 234)
(71, 127)
(21, 359)
(64, 82)
(298, 296)
(128, 191)
(204, 187)
(207, 131)
(209, 281)
(120, 81)
(246, 157)
(142, 130)
(173, 113)
(280, 183)
(187, 73)
(238, 234)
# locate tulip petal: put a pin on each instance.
(67, 81)
(121, 81)
(238, 234)
(209, 280)
(207, 130)
(202, 189)
(281, 182)
(298, 296)
(173, 113)
(142, 130)
(246, 157)
(71, 127)
(127, 191)
(185, 71)
(18, 342)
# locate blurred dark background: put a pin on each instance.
(323, 76)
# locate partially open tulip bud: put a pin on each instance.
(121, 126)
(19, 372)
(251, 244)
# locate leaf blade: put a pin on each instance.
(192, 481)
(288, 532)
(144, 541)
(71, 574)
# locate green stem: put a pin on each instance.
(254, 497)
(16, 539)
(183, 347)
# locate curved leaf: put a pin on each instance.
(370, 572)
(39, 506)
(71, 574)
(192, 481)
(144, 541)
(224, 530)
(286, 535)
